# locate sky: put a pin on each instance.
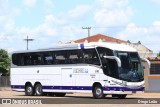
(49, 22)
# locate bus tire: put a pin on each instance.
(29, 91)
(59, 94)
(38, 89)
(123, 96)
(98, 92)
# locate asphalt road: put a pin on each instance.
(150, 99)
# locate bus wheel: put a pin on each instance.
(98, 92)
(38, 90)
(59, 94)
(122, 96)
(29, 90)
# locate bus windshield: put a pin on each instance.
(131, 68)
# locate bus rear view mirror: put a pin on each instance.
(148, 62)
(115, 58)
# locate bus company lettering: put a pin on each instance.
(80, 70)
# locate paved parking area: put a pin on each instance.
(15, 94)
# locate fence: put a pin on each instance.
(5, 81)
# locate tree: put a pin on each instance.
(158, 55)
(4, 63)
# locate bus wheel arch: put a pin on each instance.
(38, 89)
(97, 90)
(29, 89)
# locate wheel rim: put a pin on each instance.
(38, 90)
(99, 91)
(29, 89)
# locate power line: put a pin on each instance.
(88, 28)
(28, 40)
(154, 26)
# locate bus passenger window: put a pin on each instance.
(36, 59)
(48, 58)
(71, 56)
(60, 57)
(15, 59)
(27, 60)
(91, 57)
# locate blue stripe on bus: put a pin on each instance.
(68, 87)
(17, 86)
(81, 88)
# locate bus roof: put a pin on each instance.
(112, 46)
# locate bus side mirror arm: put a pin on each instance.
(148, 62)
(115, 58)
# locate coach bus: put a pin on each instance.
(97, 68)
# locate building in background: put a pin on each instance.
(153, 75)
(98, 38)
(143, 51)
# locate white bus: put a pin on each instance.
(97, 68)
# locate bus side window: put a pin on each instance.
(80, 56)
(90, 56)
(104, 51)
(60, 57)
(27, 60)
(73, 57)
(17, 59)
(110, 67)
(36, 59)
(113, 68)
(21, 63)
(47, 58)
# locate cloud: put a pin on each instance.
(48, 5)
(48, 34)
(149, 36)
(111, 4)
(52, 20)
(156, 1)
(66, 25)
(7, 24)
(79, 12)
(29, 3)
(3, 37)
(113, 13)
(133, 32)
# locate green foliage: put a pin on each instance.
(158, 55)
(4, 63)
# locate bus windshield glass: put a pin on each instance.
(131, 68)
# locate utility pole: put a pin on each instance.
(27, 40)
(88, 28)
